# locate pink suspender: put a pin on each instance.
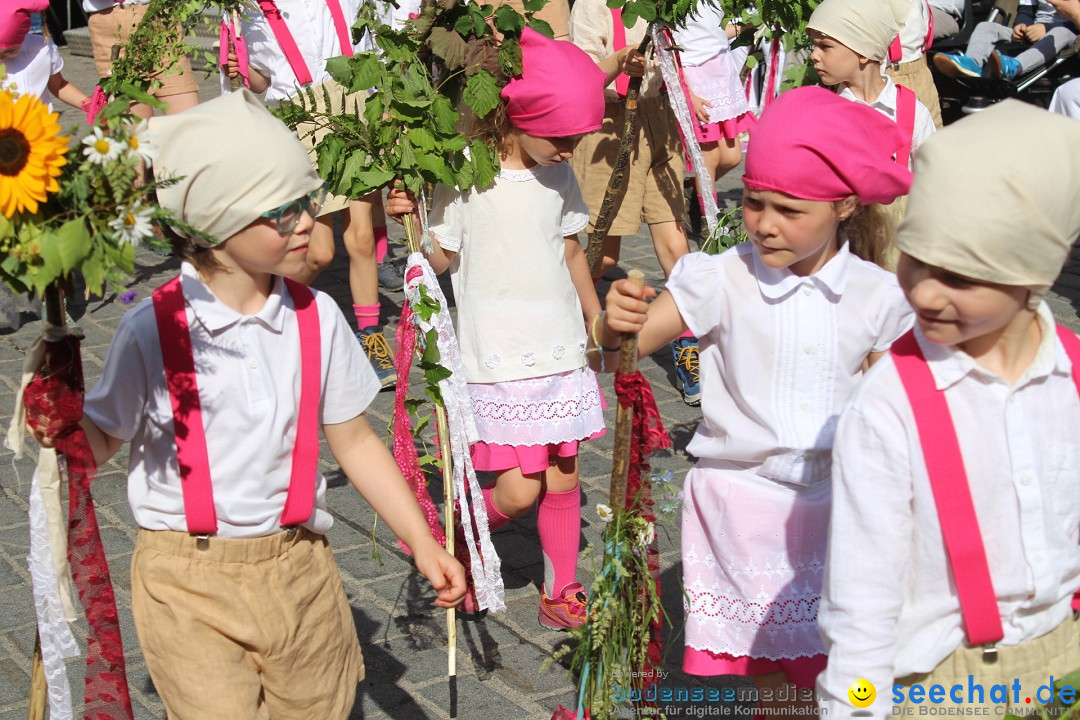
(896, 50)
(288, 45)
(618, 42)
(948, 481)
(905, 118)
(178, 359)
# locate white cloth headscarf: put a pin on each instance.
(866, 26)
(989, 209)
(233, 161)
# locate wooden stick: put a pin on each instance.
(624, 416)
(412, 235)
(237, 82)
(38, 686)
(609, 207)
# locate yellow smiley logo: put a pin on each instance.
(861, 693)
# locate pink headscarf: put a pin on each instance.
(15, 20)
(560, 91)
(814, 145)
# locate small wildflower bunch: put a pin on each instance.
(668, 499)
(72, 206)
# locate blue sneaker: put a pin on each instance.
(1003, 66)
(378, 354)
(685, 351)
(957, 65)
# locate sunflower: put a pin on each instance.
(31, 153)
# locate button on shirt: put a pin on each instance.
(781, 354)
(886, 105)
(313, 30)
(248, 372)
(889, 606)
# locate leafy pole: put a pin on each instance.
(407, 130)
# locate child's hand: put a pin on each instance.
(632, 62)
(1018, 32)
(232, 67)
(626, 307)
(443, 572)
(1068, 8)
(399, 202)
(1035, 33)
(700, 108)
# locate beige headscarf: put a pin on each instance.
(987, 207)
(866, 26)
(235, 161)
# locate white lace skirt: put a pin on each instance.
(717, 81)
(753, 556)
(539, 411)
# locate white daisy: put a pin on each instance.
(133, 224)
(138, 142)
(604, 512)
(101, 149)
(646, 536)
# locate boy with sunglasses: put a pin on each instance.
(221, 382)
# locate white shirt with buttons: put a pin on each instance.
(889, 606)
(248, 372)
(781, 354)
(885, 103)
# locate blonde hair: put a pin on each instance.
(871, 234)
(494, 129)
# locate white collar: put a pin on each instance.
(884, 102)
(215, 315)
(776, 283)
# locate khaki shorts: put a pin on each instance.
(654, 190)
(246, 628)
(1032, 663)
(915, 76)
(113, 26)
(310, 133)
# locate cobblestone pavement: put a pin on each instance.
(404, 637)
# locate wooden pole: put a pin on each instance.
(624, 416)
(412, 235)
(235, 83)
(38, 686)
(609, 207)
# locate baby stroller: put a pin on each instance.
(961, 96)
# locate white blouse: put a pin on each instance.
(30, 71)
(248, 371)
(518, 312)
(889, 606)
(781, 354)
(885, 103)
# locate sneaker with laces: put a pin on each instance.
(957, 65)
(565, 612)
(379, 354)
(685, 351)
(1002, 66)
(391, 276)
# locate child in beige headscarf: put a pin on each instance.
(236, 596)
(956, 463)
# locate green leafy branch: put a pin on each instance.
(771, 18)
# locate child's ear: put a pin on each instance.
(846, 208)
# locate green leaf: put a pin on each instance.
(328, 152)
(372, 180)
(542, 27)
(483, 164)
(482, 93)
(422, 138)
(72, 243)
(510, 57)
(509, 20)
(368, 70)
(445, 115)
(449, 46)
(340, 69)
(93, 272)
(430, 357)
(436, 374)
(437, 167)
(534, 5)
(408, 155)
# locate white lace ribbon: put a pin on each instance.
(684, 115)
(484, 564)
(57, 641)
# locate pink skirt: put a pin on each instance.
(753, 554)
(526, 423)
(802, 671)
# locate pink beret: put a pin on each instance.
(560, 91)
(814, 145)
(15, 20)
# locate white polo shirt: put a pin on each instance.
(248, 372)
(889, 606)
(886, 105)
(781, 354)
(30, 71)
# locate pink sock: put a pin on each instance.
(558, 523)
(366, 316)
(495, 518)
(686, 334)
(382, 243)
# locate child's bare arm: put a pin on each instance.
(628, 60)
(64, 91)
(400, 202)
(372, 471)
(578, 265)
(627, 311)
(257, 81)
